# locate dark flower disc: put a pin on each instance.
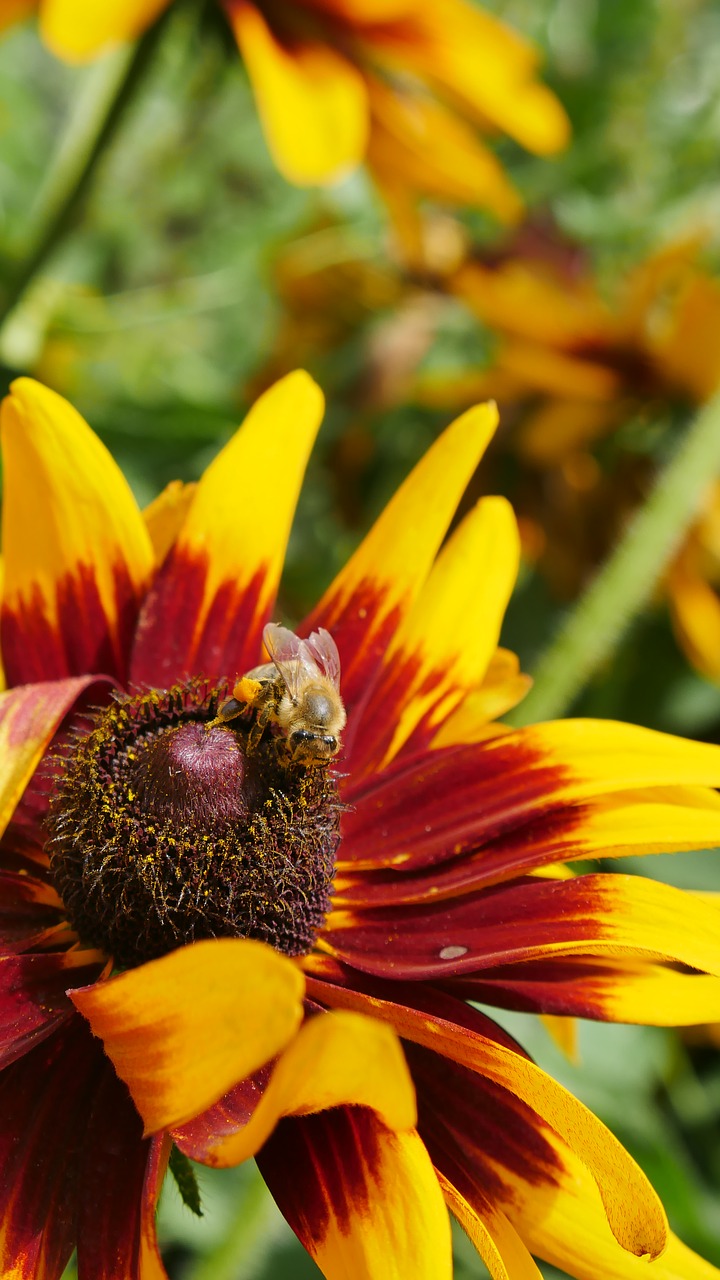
(166, 828)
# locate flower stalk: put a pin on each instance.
(627, 581)
(92, 125)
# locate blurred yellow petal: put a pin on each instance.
(312, 102)
(183, 1029)
(489, 67)
(553, 430)
(525, 299)
(79, 29)
(337, 1059)
(542, 369)
(695, 612)
(424, 145)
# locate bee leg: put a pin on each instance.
(258, 728)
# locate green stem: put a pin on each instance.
(91, 127)
(626, 583)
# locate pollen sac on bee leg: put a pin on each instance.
(165, 828)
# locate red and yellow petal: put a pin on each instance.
(364, 1200)
(518, 796)
(531, 920)
(444, 646)
(183, 1029)
(311, 100)
(642, 990)
(337, 1059)
(77, 554)
(374, 592)
(77, 30)
(632, 1209)
(29, 716)
(214, 592)
(44, 1104)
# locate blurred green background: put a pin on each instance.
(164, 309)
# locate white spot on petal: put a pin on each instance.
(453, 953)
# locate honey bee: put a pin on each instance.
(299, 690)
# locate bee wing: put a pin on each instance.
(324, 653)
(292, 657)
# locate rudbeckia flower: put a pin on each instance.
(405, 84)
(212, 945)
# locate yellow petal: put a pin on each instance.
(79, 29)
(165, 516)
(502, 688)
(337, 1059)
(312, 101)
(638, 823)
(365, 604)
(565, 1225)
(598, 756)
(364, 1201)
(183, 1029)
(77, 553)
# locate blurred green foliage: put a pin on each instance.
(156, 315)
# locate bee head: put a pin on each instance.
(318, 709)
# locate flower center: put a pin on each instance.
(166, 828)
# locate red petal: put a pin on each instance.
(29, 910)
(226, 1116)
(120, 1182)
(32, 996)
(434, 806)
(43, 1104)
